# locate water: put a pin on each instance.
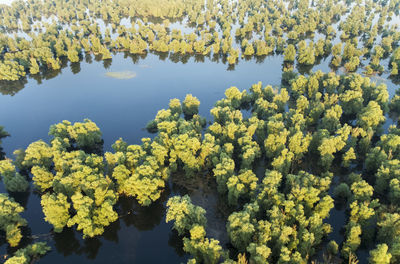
(121, 108)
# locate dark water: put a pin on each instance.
(121, 108)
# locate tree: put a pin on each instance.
(240, 227)
(242, 185)
(290, 53)
(371, 116)
(37, 154)
(249, 50)
(184, 214)
(395, 62)
(105, 52)
(342, 191)
(68, 177)
(352, 64)
(73, 54)
(10, 219)
(380, 255)
(34, 68)
(258, 253)
(28, 254)
(353, 241)
(203, 249)
(80, 135)
(349, 156)
(306, 54)
(11, 70)
(362, 191)
(92, 215)
(13, 181)
(56, 210)
(190, 105)
(332, 247)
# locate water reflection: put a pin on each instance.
(12, 87)
(75, 67)
(175, 241)
(21, 197)
(67, 244)
(395, 79)
(143, 218)
(2, 153)
(107, 63)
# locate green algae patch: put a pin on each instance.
(122, 75)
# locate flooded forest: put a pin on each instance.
(200, 131)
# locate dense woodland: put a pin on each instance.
(321, 140)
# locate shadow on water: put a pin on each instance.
(203, 192)
(141, 217)
(67, 244)
(12, 87)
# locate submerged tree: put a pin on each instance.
(11, 221)
(28, 254)
(185, 215)
(13, 181)
(79, 181)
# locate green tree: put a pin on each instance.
(28, 254)
(203, 249)
(11, 220)
(56, 210)
(241, 228)
(11, 70)
(185, 214)
(34, 68)
(190, 105)
(290, 53)
(13, 181)
(306, 53)
(371, 116)
(380, 255)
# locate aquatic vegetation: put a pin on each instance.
(122, 75)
